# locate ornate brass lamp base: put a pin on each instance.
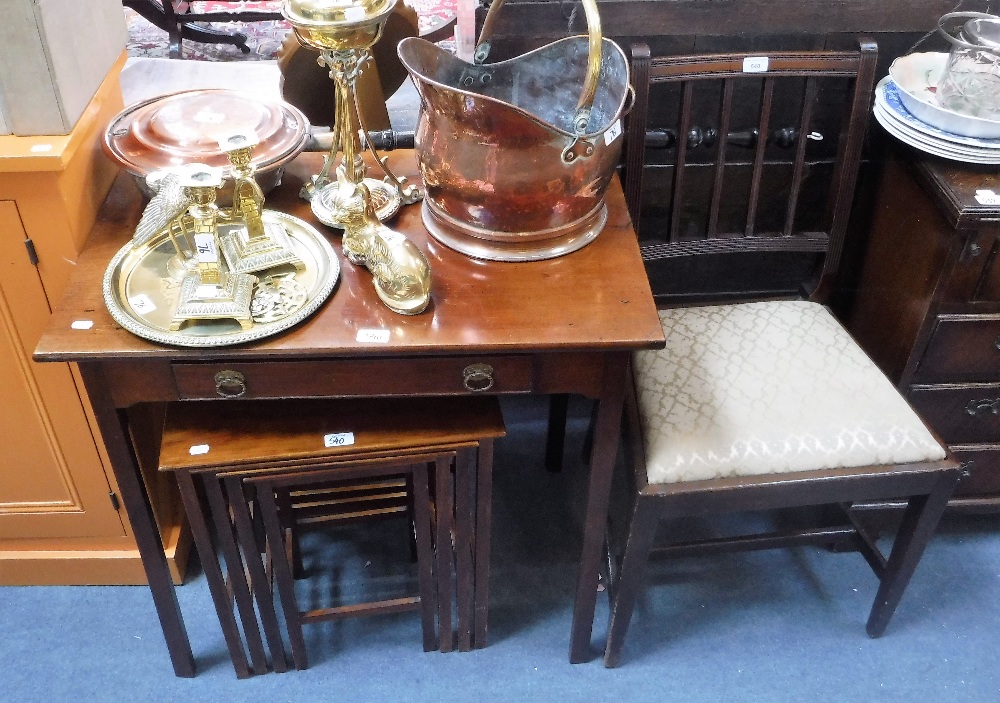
(334, 203)
(344, 31)
(227, 300)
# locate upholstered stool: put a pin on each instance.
(266, 467)
(771, 405)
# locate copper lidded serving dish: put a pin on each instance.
(184, 127)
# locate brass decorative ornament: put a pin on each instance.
(344, 31)
(400, 272)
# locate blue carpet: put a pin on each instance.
(784, 625)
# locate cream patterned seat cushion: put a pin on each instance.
(763, 388)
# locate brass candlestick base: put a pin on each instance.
(229, 299)
(208, 291)
(246, 254)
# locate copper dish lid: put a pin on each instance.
(184, 127)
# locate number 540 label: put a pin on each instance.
(340, 439)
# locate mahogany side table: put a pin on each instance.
(566, 325)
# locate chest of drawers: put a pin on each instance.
(927, 306)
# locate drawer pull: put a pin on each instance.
(985, 405)
(230, 384)
(477, 377)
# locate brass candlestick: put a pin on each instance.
(344, 31)
(208, 291)
(256, 245)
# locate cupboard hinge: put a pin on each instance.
(114, 501)
(32, 254)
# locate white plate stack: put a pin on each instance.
(908, 91)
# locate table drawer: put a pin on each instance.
(960, 414)
(353, 377)
(962, 348)
(981, 470)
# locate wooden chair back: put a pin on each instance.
(740, 169)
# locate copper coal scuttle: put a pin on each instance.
(516, 155)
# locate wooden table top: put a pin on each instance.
(594, 299)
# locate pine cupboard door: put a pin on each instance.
(52, 481)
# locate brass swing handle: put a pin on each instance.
(477, 377)
(230, 384)
(595, 40)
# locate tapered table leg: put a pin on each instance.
(140, 514)
(602, 464)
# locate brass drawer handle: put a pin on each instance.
(985, 405)
(230, 384)
(477, 377)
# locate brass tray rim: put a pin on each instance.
(121, 312)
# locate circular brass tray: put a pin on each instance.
(141, 292)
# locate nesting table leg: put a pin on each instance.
(484, 522)
(234, 566)
(443, 543)
(259, 582)
(213, 573)
(425, 571)
(283, 576)
(465, 515)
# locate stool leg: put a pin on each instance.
(258, 578)
(443, 504)
(484, 521)
(465, 515)
(213, 574)
(283, 575)
(425, 575)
